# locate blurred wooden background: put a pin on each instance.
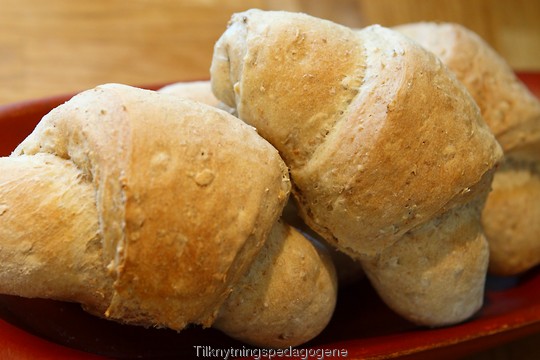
(57, 46)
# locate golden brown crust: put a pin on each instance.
(197, 194)
(381, 139)
(438, 267)
(512, 212)
(281, 61)
(286, 298)
(60, 259)
(511, 218)
(430, 157)
(348, 270)
(507, 106)
(289, 293)
(143, 163)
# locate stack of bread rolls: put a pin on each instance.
(163, 208)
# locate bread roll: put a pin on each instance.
(383, 144)
(511, 217)
(150, 210)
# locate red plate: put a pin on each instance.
(362, 325)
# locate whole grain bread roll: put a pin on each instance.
(153, 210)
(511, 216)
(384, 145)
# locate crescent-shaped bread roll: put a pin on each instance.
(383, 145)
(153, 210)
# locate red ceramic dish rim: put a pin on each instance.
(477, 334)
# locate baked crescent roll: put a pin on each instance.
(389, 156)
(156, 211)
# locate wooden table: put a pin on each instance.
(62, 46)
